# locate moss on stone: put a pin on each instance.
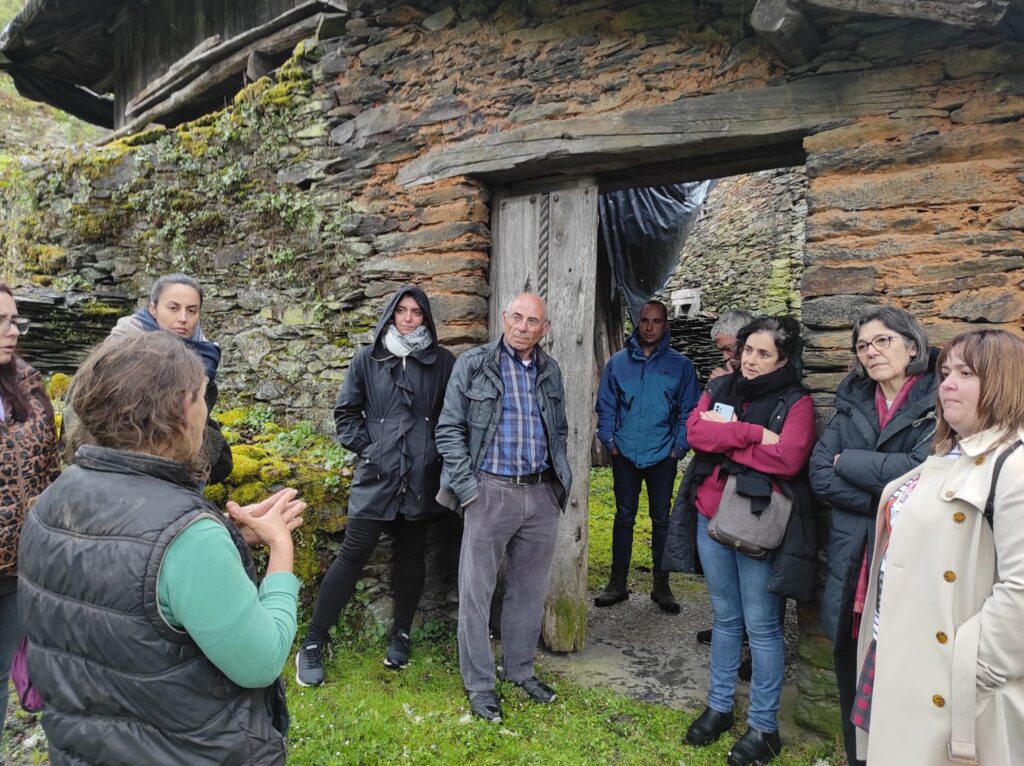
(95, 308)
(216, 494)
(248, 460)
(57, 386)
(44, 258)
(233, 417)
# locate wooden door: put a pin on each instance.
(545, 241)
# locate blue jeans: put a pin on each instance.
(10, 637)
(660, 479)
(738, 586)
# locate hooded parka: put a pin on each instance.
(386, 412)
(871, 458)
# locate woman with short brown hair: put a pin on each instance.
(149, 638)
(941, 666)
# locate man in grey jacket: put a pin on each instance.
(502, 434)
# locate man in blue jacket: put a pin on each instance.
(647, 391)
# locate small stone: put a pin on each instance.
(989, 108)
(1005, 58)
(536, 112)
(1014, 219)
(440, 20)
(1000, 307)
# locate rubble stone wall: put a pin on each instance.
(746, 249)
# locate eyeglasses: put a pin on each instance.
(20, 322)
(880, 342)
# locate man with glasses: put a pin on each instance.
(723, 335)
(502, 434)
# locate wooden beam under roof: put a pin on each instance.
(972, 14)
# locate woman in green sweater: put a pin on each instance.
(150, 639)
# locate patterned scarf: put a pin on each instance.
(402, 346)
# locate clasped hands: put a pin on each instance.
(271, 521)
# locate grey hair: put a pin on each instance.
(730, 323)
(903, 324)
(173, 279)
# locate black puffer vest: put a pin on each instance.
(122, 686)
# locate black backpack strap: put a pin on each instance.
(990, 503)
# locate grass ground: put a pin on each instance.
(367, 715)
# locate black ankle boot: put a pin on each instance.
(708, 727)
(615, 591)
(755, 748)
(661, 594)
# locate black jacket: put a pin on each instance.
(871, 458)
(121, 685)
(386, 413)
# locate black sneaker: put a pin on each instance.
(309, 665)
(537, 690)
(397, 656)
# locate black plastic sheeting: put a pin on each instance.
(642, 232)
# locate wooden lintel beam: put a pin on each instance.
(786, 29)
(961, 13)
(689, 127)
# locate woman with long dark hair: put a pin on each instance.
(753, 426)
(28, 463)
(386, 413)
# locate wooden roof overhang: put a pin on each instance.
(63, 52)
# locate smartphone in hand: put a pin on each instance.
(725, 410)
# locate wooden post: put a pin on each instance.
(545, 241)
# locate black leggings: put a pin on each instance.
(408, 571)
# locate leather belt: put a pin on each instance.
(524, 479)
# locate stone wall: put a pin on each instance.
(746, 249)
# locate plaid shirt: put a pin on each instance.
(520, 446)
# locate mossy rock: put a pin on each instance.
(248, 462)
(57, 387)
(233, 417)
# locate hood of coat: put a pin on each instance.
(389, 311)
(859, 391)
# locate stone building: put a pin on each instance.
(462, 145)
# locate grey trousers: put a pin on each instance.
(521, 523)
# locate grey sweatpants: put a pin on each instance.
(521, 523)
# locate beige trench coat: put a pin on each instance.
(949, 673)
